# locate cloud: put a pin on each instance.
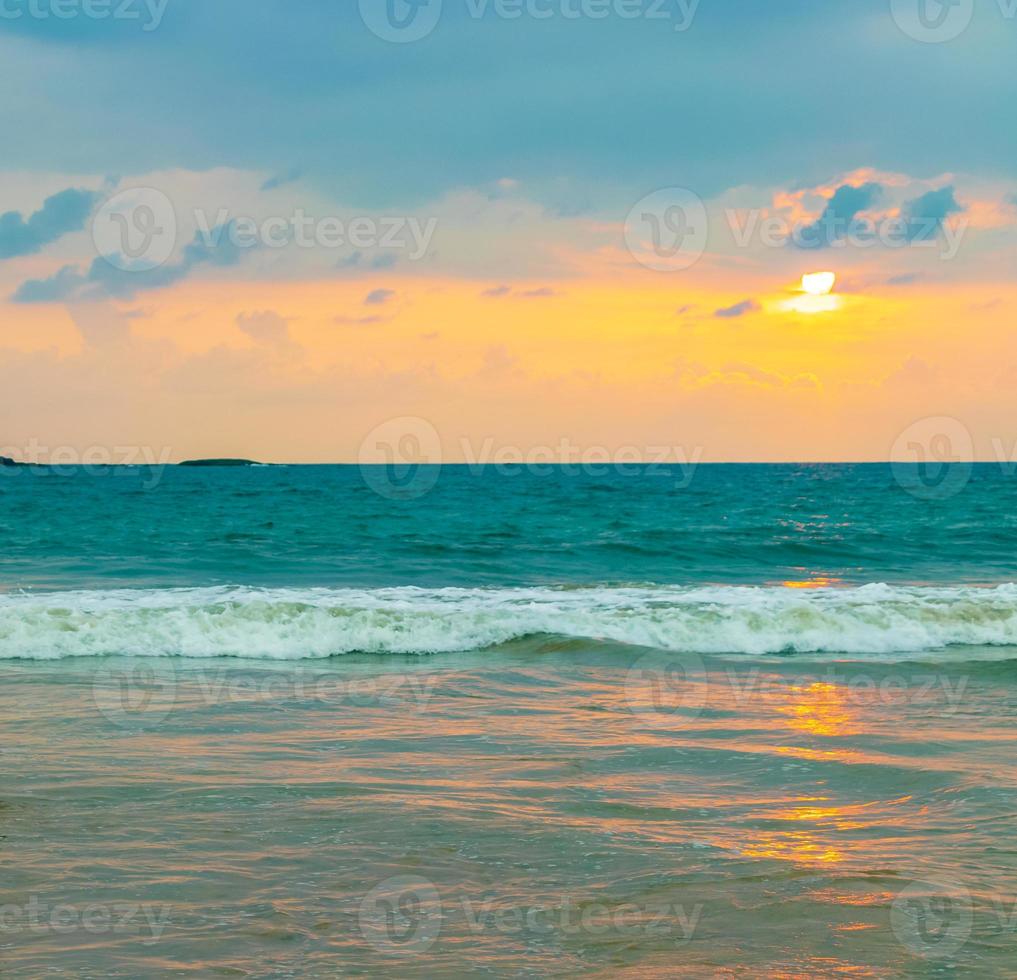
(739, 309)
(358, 321)
(846, 203)
(323, 99)
(925, 215)
(59, 215)
(103, 279)
(499, 363)
(914, 371)
(280, 180)
(61, 285)
(739, 373)
(379, 297)
(499, 292)
(357, 260)
(266, 327)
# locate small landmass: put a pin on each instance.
(7, 461)
(220, 462)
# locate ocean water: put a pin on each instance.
(318, 721)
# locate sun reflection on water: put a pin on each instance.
(801, 846)
(817, 824)
(817, 582)
(820, 709)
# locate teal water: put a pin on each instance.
(273, 722)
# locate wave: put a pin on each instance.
(297, 624)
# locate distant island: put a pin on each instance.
(7, 461)
(219, 462)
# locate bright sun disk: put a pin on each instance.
(818, 283)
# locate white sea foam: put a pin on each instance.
(295, 624)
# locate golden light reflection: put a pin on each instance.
(824, 966)
(811, 844)
(823, 755)
(803, 847)
(819, 582)
(820, 709)
(852, 899)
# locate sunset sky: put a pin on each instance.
(493, 227)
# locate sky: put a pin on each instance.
(310, 231)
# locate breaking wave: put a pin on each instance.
(297, 624)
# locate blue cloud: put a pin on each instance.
(57, 287)
(739, 309)
(281, 180)
(846, 203)
(925, 215)
(499, 292)
(378, 297)
(355, 260)
(350, 261)
(104, 279)
(59, 215)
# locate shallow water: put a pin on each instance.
(548, 811)
(559, 765)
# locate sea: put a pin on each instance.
(622, 721)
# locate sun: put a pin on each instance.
(818, 283)
(815, 295)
